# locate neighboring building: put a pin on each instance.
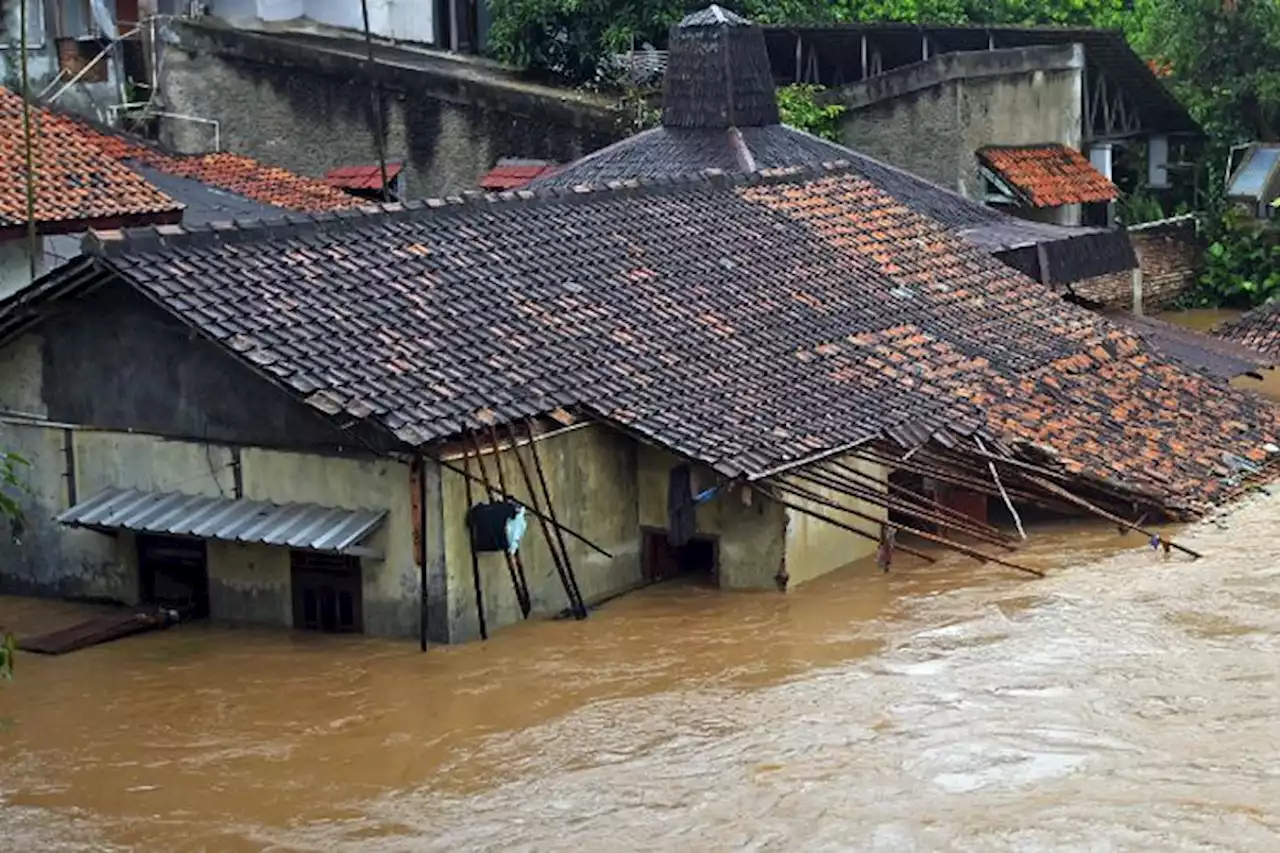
(1046, 182)
(1253, 179)
(726, 336)
(1258, 330)
(928, 97)
(720, 112)
(77, 187)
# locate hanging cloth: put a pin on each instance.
(515, 528)
(682, 517)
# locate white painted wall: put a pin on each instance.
(401, 20)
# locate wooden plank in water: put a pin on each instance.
(102, 629)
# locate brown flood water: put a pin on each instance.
(1199, 319)
(1127, 705)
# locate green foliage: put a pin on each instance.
(1138, 207)
(801, 107)
(1241, 265)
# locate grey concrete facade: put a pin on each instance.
(929, 118)
(305, 105)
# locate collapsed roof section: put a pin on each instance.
(720, 112)
(1258, 329)
(751, 323)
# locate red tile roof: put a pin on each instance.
(1048, 175)
(231, 172)
(513, 174)
(1258, 330)
(77, 186)
(361, 177)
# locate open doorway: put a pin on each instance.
(174, 573)
(696, 560)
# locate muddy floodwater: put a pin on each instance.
(1128, 702)
(1199, 319)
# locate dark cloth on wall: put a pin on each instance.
(682, 516)
(488, 525)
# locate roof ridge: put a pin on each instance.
(112, 243)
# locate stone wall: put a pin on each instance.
(288, 103)
(929, 118)
(1171, 256)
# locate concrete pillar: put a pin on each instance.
(439, 627)
(1100, 157)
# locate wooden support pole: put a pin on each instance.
(928, 537)
(575, 606)
(995, 475)
(471, 542)
(951, 476)
(515, 563)
(467, 475)
(812, 513)
(942, 509)
(522, 596)
(1102, 513)
(862, 493)
(551, 511)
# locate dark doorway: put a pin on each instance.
(699, 558)
(174, 573)
(326, 592)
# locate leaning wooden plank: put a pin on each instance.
(92, 632)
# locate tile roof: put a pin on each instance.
(233, 173)
(718, 73)
(361, 177)
(1196, 350)
(76, 186)
(1048, 175)
(1258, 329)
(512, 174)
(672, 152)
(744, 322)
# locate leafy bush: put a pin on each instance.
(800, 107)
(1241, 265)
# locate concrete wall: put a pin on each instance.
(591, 475)
(929, 118)
(15, 265)
(310, 111)
(815, 547)
(42, 63)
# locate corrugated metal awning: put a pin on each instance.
(308, 527)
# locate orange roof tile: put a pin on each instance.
(1048, 175)
(235, 173)
(514, 174)
(361, 177)
(77, 185)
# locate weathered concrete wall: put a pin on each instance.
(15, 265)
(929, 118)
(814, 547)
(309, 111)
(91, 99)
(390, 585)
(121, 363)
(750, 532)
(591, 474)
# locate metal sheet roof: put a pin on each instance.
(308, 527)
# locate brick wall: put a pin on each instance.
(1170, 253)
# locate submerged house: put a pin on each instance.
(719, 111)
(287, 422)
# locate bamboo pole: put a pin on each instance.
(928, 537)
(995, 475)
(953, 478)
(514, 561)
(862, 493)
(475, 558)
(574, 604)
(916, 497)
(32, 243)
(551, 511)
(557, 525)
(522, 594)
(812, 513)
(1102, 513)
